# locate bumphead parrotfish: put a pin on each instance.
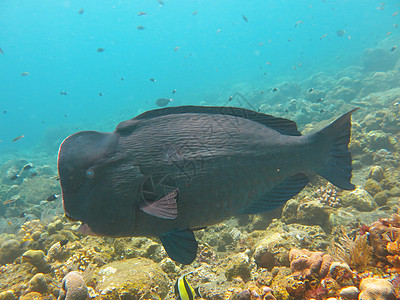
(173, 170)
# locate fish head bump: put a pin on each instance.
(93, 175)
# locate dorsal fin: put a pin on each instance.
(283, 126)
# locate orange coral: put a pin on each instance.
(303, 263)
(385, 240)
(394, 249)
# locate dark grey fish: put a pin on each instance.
(170, 171)
(340, 32)
(14, 177)
(27, 167)
(52, 198)
(163, 102)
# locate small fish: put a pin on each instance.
(393, 48)
(194, 13)
(176, 49)
(275, 89)
(33, 175)
(18, 138)
(24, 74)
(65, 116)
(141, 13)
(140, 27)
(1, 51)
(160, 2)
(4, 112)
(122, 78)
(389, 33)
(245, 18)
(218, 30)
(310, 90)
(81, 11)
(380, 8)
(298, 23)
(55, 177)
(27, 167)
(63, 242)
(100, 94)
(12, 200)
(174, 91)
(22, 215)
(100, 50)
(323, 36)
(64, 93)
(163, 102)
(184, 291)
(52, 197)
(395, 13)
(152, 80)
(15, 177)
(340, 32)
(320, 99)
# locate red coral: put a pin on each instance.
(304, 263)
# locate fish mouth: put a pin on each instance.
(83, 228)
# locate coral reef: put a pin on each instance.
(304, 263)
(316, 247)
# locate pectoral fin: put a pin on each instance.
(181, 245)
(165, 207)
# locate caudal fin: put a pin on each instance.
(337, 168)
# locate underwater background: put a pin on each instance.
(67, 66)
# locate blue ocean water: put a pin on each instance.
(200, 48)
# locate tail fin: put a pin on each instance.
(337, 168)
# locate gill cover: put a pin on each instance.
(92, 173)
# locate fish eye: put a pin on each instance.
(90, 173)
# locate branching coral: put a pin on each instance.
(356, 252)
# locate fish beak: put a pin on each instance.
(85, 229)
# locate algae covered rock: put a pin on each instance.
(135, 278)
(8, 295)
(376, 288)
(360, 199)
(38, 283)
(238, 266)
(37, 259)
(376, 173)
(9, 251)
(381, 198)
(273, 248)
(372, 187)
(310, 212)
(32, 296)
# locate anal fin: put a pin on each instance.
(274, 198)
(180, 244)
